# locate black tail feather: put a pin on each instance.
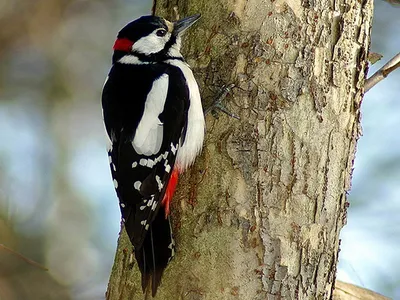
(156, 281)
(145, 274)
(157, 250)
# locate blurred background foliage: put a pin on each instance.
(57, 202)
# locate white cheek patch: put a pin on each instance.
(175, 49)
(149, 133)
(151, 43)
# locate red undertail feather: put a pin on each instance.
(169, 192)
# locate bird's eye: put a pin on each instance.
(161, 32)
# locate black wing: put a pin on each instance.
(141, 180)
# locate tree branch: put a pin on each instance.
(20, 256)
(382, 73)
(347, 291)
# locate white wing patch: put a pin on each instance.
(149, 133)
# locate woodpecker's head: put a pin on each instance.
(151, 38)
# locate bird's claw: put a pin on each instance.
(217, 104)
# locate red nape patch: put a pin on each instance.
(123, 45)
(169, 192)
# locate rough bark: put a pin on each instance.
(259, 215)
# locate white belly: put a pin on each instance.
(196, 125)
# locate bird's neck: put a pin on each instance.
(142, 59)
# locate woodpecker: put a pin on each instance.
(154, 119)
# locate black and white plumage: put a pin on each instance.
(154, 119)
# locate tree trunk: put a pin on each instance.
(259, 215)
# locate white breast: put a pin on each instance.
(196, 125)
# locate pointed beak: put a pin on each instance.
(183, 24)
